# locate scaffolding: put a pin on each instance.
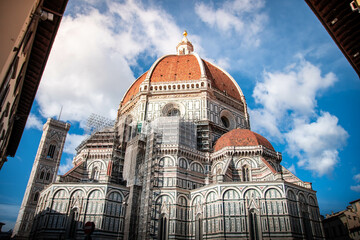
(175, 130)
(96, 123)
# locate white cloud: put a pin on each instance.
(288, 112)
(355, 188)
(316, 144)
(245, 17)
(89, 66)
(357, 177)
(72, 142)
(34, 122)
(292, 169)
(293, 90)
(64, 167)
(266, 122)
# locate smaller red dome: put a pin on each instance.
(241, 138)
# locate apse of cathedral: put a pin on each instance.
(180, 163)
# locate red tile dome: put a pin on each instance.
(241, 138)
(177, 68)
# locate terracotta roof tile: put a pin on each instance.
(176, 68)
(221, 81)
(241, 137)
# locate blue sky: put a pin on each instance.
(302, 94)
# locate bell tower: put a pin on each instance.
(43, 173)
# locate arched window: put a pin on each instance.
(51, 151)
(173, 112)
(183, 163)
(74, 215)
(95, 174)
(198, 227)
(36, 197)
(253, 225)
(47, 176)
(307, 225)
(245, 173)
(225, 121)
(163, 228)
(42, 174)
(166, 162)
(196, 167)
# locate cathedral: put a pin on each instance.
(180, 162)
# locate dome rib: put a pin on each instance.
(149, 73)
(223, 81)
(133, 89)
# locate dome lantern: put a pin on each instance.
(185, 46)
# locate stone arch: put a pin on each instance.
(182, 196)
(216, 195)
(167, 161)
(301, 197)
(165, 195)
(291, 194)
(171, 106)
(58, 191)
(93, 206)
(77, 192)
(312, 200)
(92, 192)
(197, 166)
(269, 194)
(249, 190)
(98, 162)
(246, 160)
(198, 198)
(216, 166)
(112, 193)
(227, 190)
(183, 163)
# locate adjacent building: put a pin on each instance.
(344, 224)
(28, 29)
(180, 163)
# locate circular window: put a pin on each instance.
(173, 112)
(225, 121)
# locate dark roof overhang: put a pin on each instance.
(343, 24)
(43, 40)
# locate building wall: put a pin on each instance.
(344, 224)
(15, 19)
(64, 208)
(24, 52)
(17, 25)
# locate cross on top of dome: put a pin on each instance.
(185, 46)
